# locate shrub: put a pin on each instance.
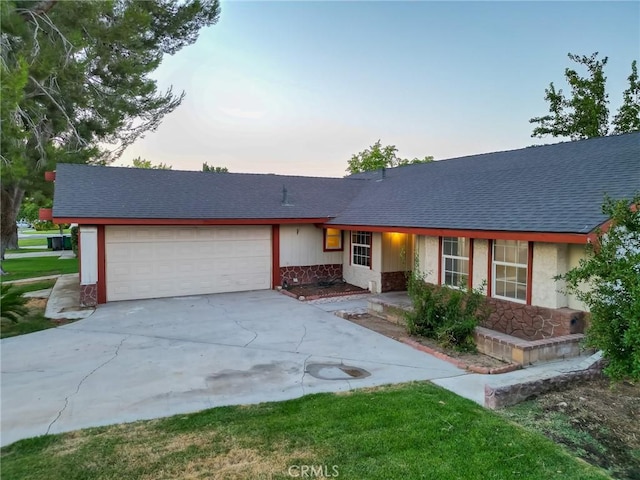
(12, 303)
(447, 315)
(41, 225)
(74, 239)
(611, 272)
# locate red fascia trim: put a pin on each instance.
(102, 265)
(439, 260)
(275, 256)
(579, 238)
(529, 272)
(489, 268)
(187, 221)
(470, 277)
(324, 241)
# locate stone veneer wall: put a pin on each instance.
(309, 274)
(533, 323)
(393, 281)
(89, 295)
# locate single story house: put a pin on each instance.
(510, 221)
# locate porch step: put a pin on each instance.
(391, 307)
(527, 352)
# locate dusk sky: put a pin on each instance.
(298, 87)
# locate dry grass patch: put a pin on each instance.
(237, 463)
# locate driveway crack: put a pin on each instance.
(237, 322)
(302, 339)
(304, 373)
(66, 399)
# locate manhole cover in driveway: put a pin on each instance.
(334, 371)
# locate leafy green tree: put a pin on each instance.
(76, 86)
(611, 272)
(377, 157)
(142, 163)
(628, 117)
(207, 168)
(583, 115)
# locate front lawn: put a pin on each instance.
(19, 268)
(409, 431)
(32, 242)
(55, 231)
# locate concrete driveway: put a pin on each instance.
(153, 358)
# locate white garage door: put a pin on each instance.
(151, 262)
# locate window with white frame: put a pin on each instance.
(455, 261)
(510, 263)
(361, 248)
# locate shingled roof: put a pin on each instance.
(556, 188)
(83, 191)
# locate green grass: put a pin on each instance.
(34, 286)
(33, 322)
(412, 431)
(56, 231)
(32, 242)
(19, 268)
(28, 250)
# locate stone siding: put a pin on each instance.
(533, 323)
(310, 274)
(393, 281)
(89, 295)
(498, 397)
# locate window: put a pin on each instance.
(455, 261)
(361, 248)
(332, 239)
(510, 258)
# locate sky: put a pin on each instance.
(298, 87)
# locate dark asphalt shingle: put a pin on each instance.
(83, 191)
(554, 188)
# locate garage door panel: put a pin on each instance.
(148, 262)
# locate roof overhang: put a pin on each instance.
(186, 221)
(551, 237)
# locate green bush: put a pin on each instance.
(611, 275)
(74, 239)
(41, 225)
(12, 303)
(446, 315)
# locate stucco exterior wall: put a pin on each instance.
(480, 259)
(358, 275)
(549, 260)
(89, 251)
(427, 249)
(303, 245)
(575, 254)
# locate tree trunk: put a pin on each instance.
(11, 200)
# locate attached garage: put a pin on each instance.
(168, 261)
